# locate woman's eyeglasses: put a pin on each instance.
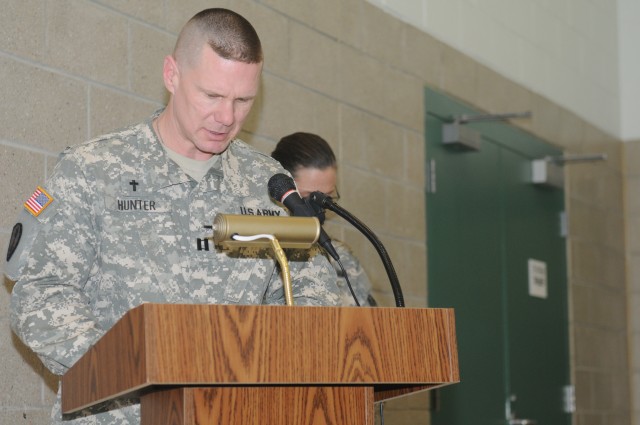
(335, 195)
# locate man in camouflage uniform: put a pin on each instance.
(312, 163)
(124, 219)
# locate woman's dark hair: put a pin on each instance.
(303, 150)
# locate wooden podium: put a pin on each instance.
(229, 364)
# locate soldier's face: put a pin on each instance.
(211, 100)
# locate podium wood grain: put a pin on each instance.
(271, 405)
(247, 350)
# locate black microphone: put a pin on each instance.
(283, 189)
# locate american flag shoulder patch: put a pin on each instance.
(38, 201)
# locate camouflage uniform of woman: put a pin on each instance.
(312, 163)
(124, 218)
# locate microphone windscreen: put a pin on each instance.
(279, 185)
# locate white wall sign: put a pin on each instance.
(537, 278)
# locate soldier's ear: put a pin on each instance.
(170, 74)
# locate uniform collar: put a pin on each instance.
(233, 172)
(161, 170)
(164, 173)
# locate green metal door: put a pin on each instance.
(488, 225)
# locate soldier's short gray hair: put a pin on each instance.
(229, 34)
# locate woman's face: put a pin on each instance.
(314, 179)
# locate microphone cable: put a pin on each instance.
(326, 201)
(346, 277)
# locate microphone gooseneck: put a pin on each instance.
(325, 201)
(283, 189)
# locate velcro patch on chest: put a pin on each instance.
(141, 204)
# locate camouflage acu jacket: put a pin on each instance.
(356, 274)
(123, 225)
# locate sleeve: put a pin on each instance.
(312, 278)
(49, 310)
(356, 274)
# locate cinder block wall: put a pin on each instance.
(73, 69)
